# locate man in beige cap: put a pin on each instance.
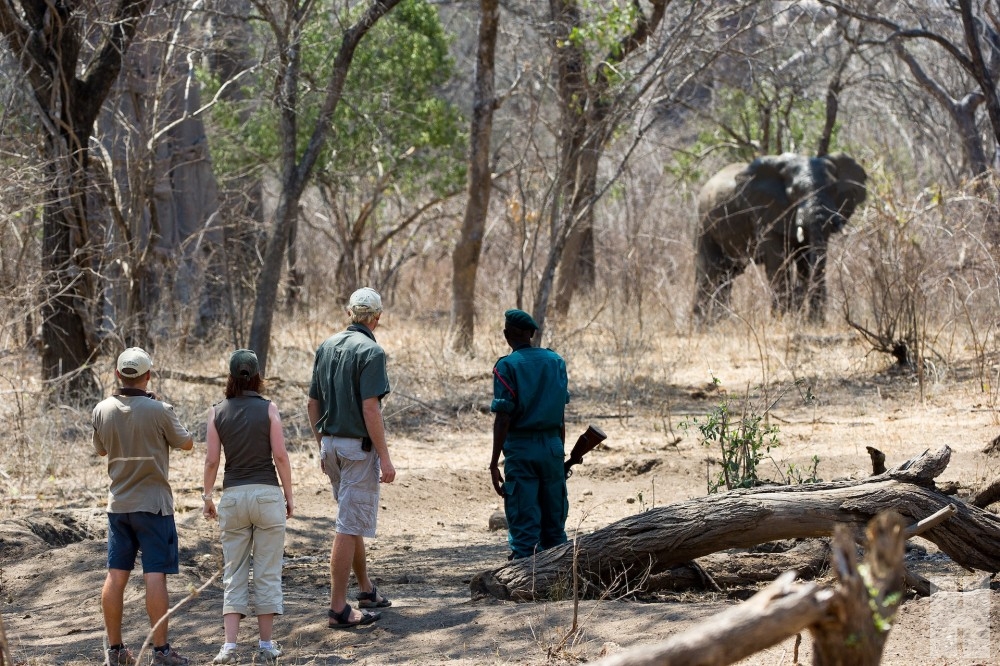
(136, 432)
(345, 409)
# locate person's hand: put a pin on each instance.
(289, 507)
(388, 471)
(497, 479)
(209, 510)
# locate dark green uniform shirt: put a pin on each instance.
(531, 385)
(349, 368)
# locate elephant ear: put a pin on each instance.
(777, 174)
(850, 191)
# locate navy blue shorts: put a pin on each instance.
(153, 534)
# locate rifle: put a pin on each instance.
(584, 445)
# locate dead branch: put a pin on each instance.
(180, 604)
(987, 496)
(849, 623)
(859, 617)
(878, 460)
(931, 521)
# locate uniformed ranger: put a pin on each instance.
(530, 392)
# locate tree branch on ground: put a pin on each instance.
(652, 542)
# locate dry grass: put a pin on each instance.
(619, 370)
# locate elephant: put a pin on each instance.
(779, 210)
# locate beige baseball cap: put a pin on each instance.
(134, 362)
(364, 300)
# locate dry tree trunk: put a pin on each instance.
(849, 623)
(624, 555)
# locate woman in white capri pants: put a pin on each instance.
(253, 507)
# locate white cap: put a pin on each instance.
(134, 362)
(364, 300)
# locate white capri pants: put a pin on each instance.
(252, 520)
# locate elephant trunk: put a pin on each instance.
(815, 221)
(814, 279)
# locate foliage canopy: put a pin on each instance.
(393, 117)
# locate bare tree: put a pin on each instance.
(157, 189)
(555, 167)
(465, 258)
(296, 167)
(968, 33)
(962, 111)
(69, 80)
(587, 122)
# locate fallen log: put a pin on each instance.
(849, 623)
(623, 555)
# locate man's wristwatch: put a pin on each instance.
(206, 498)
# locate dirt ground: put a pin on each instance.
(433, 526)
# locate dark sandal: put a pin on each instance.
(342, 620)
(371, 600)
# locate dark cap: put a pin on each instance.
(243, 363)
(519, 319)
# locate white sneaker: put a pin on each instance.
(268, 655)
(226, 656)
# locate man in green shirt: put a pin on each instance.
(345, 409)
(530, 392)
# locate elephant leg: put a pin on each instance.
(713, 279)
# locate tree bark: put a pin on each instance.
(624, 553)
(849, 623)
(465, 258)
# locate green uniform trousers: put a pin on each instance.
(535, 499)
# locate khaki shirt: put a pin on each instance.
(137, 433)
